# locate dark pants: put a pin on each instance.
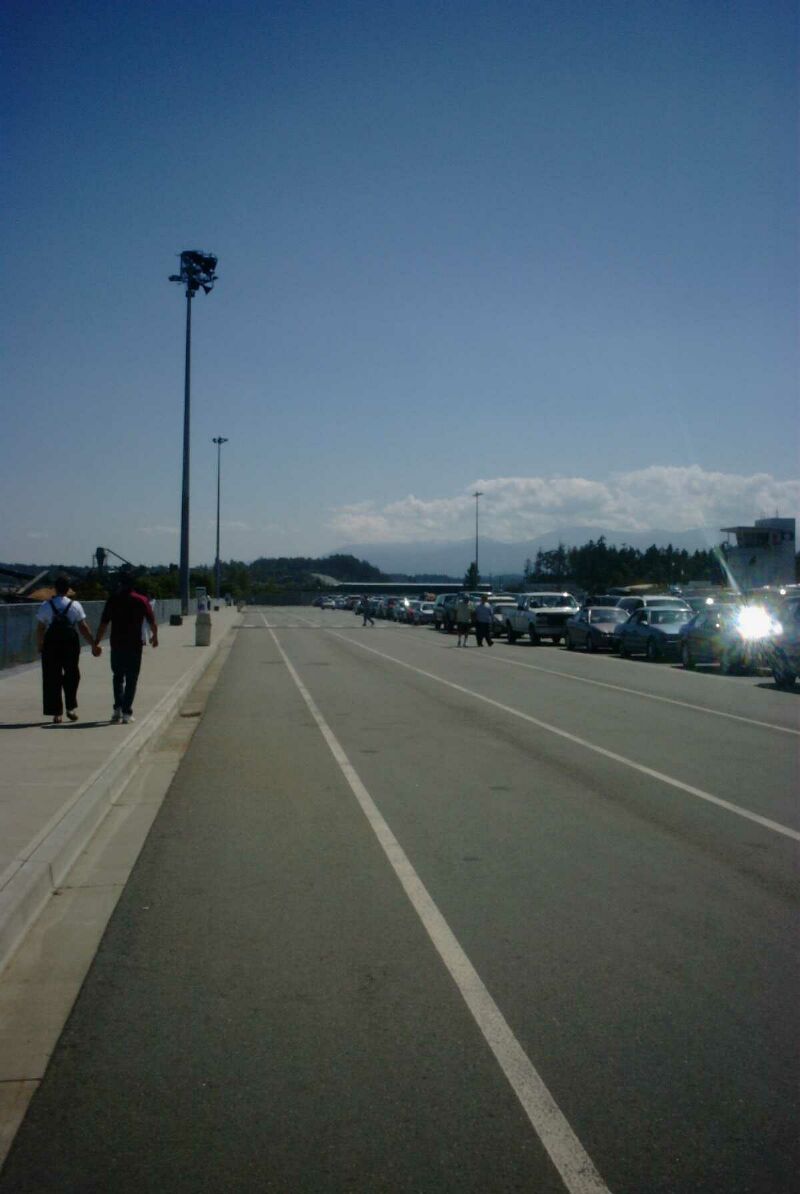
(125, 665)
(60, 671)
(483, 630)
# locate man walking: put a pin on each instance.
(365, 610)
(127, 612)
(484, 620)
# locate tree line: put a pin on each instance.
(597, 566)
(266, 575)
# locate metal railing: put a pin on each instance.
(18, 626)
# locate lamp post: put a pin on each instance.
(197, 270)
(477, 494)
(219, 440)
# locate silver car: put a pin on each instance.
(653, 631)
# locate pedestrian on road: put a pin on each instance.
(127, 611)
(366, 611)
(58, 623)
(484, 620)
(463, 618)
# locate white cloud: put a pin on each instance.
(518, 508)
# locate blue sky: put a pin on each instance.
(546, 248)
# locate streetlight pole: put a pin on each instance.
(219, 440)
(477, 494)
(197, 270)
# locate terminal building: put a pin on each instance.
(764, 554)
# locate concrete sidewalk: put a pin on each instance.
(57, 782)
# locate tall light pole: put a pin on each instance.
(197, 270)
(219, 440)
(477, 494)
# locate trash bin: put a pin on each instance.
(202, 630)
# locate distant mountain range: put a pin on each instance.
(453, 557)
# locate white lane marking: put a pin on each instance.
(647, 696)
(565, 1150)
(737, 809)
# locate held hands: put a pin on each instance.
(97, 650)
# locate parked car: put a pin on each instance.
(731, 635)
(660, 599)
(399, 611)
(592, 627)
(782, 647)
(540, 615)
(607, 600)
(501, 603)
(631, 604)
(705, 601)
(653, 631)
(423, 614)
(444, 612)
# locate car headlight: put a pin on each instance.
(754, 623)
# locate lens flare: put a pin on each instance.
(754, 623)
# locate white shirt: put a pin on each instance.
(484, 612)
(75, 614)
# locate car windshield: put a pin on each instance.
(669, 617)
(598, 614)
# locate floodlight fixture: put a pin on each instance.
(197, 272)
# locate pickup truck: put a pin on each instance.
(540, 615)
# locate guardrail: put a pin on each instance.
(18, 626)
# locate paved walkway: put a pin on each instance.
(57, 781)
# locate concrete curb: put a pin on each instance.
(55, 850)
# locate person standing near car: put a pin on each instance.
(58, 623)
(484, 621)
(126, 612)
(463, 618)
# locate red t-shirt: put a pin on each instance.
(126, 612)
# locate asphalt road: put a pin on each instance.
(414, 918)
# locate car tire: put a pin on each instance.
(686, 657)
(556, 639)
(511, 635)
(653, 653)
(589, 644)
